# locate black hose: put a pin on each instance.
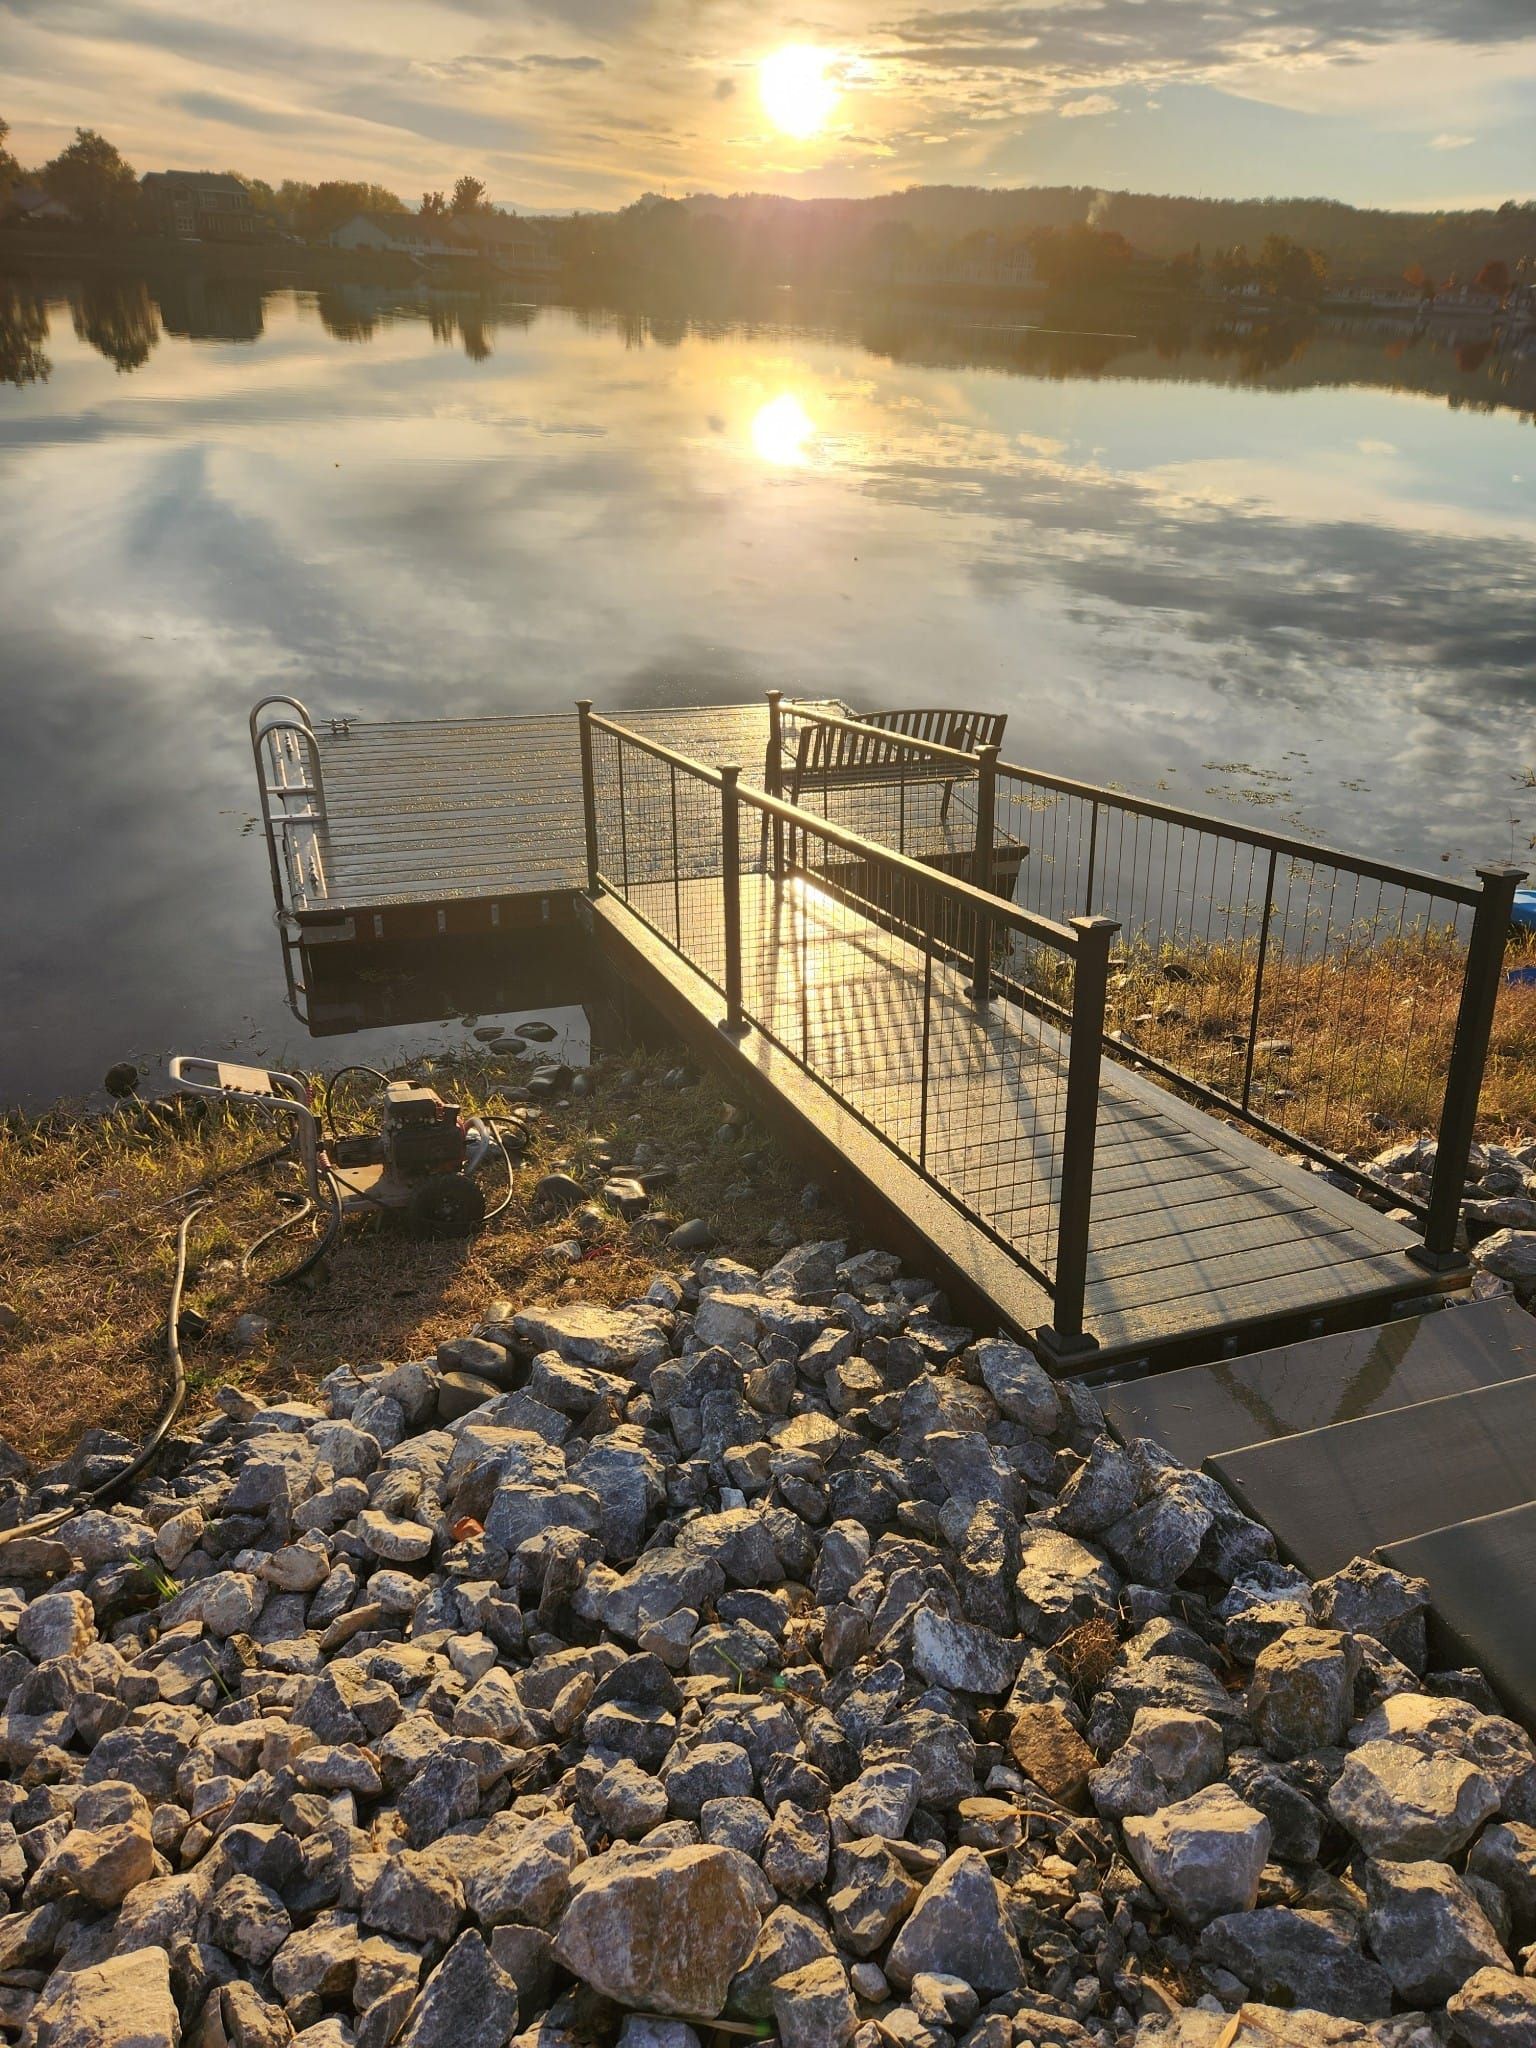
(109, 1488)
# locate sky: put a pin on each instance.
(588, 103)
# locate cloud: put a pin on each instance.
(1452, 141)
(262, 119)
(1095, 103)
(724, 88)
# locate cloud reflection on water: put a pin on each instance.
(1150, 572)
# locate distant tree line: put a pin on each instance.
(1079, 240)
(101, 189)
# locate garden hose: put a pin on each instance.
(109, 1488)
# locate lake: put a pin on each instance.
(1290, 579)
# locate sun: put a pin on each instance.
(797, 94)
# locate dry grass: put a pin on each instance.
(1358, 1042)
(87, 1265)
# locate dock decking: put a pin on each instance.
(453, 825)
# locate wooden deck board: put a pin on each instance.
(437, 811)
(1200, 1225)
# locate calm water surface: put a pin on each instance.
(1294, 588)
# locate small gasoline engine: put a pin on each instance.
(420, 1157)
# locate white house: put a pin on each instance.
(401, 234)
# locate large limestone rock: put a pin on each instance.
(960, 1926)
(1203, 1856)
(1403, 1803)
(661, 1929)
(1494, 2009)
(469, 2001)
(124, 2002)
(1301, 1696)
(1427, 1930)
(1302, 1959)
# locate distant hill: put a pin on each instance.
(1357, 241)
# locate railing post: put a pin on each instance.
(1258, 980)
(1064, 1339)
(588, 792)
(730, 862)
(1469, 1051)
(773, 778)
(981, 867)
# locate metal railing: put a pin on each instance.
(1270, 977)
(291, 786)
(858, 961)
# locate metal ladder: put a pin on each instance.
(291, 784)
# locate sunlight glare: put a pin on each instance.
(781, 430)
(796, 92)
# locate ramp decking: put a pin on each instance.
(1196, 1229)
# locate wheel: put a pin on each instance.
(448, 1205)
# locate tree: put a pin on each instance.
(1291, 271)
(10, 170)
(326, 205)
(119, 319)
(23, 330)
(1231, 268)
(1418, 279)
(1080, 258)
(468, 196)
(92, 180)
(1184, 270)
(433, 206)
(1494, 277)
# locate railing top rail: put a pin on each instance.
(670, 755)
(1417, 879)
(861, 728)
(1004, 915)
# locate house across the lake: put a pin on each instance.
(503, 240)
(201, 206)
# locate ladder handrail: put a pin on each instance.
(264, 735)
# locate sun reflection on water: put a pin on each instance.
(782, 430)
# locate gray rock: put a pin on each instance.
(1402, 1804)
(1100, 1493)
(1505, 1854)
(786, 1941)
(795, 1852)
(1427, 1930)
(1168, 1756)
(713, 1770)
(415, 1896)
(249, 1920)
(469, 2001)
(961, 1657)
(1301, 1696)
(56, 1624)
(813, 2007)
(1494, 2009)
(1203, 1856)
(623, 1340)
(960, 1924)
(529, 1871)
(1370, 1599)
(1299, 1959)
(871, 1894)
(661, 1929)
(881, 1800)
(1017, 1383)
(1062, 1583)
